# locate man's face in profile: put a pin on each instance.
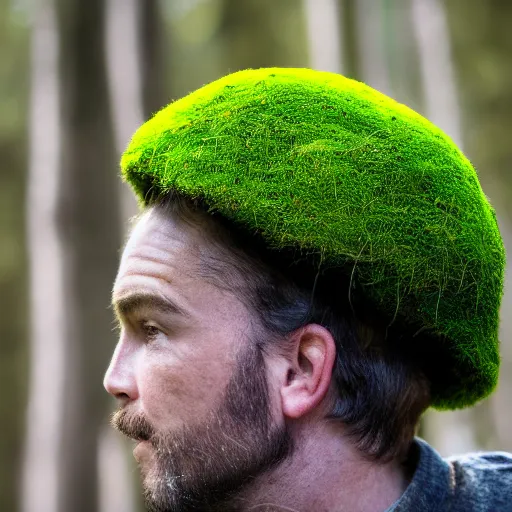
(192, 385)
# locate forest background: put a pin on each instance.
(76, 78)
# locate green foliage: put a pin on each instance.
(14, 55)
(320, 163)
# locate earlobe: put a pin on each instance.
(310, 370)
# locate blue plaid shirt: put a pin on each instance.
(476, 482)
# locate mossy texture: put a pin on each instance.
(336, 170)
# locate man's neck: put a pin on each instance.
(326, 474)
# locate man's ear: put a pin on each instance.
(309, 370)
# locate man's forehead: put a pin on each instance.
(152, 228)
(151, 223)
(153, 242)
(162, 240)
(156, 261)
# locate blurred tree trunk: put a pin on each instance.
(380, 48)
(135, 35)
(75, 236)
(323, 21)
(437, 68)
(41, 468)
(125, 81)
(138, 86)
(153, 46)
(371, 50)
(89, 227)
(482, 49)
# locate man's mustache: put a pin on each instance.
(132, 425)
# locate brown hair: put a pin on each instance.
(381, 391)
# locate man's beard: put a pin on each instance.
(205, 467)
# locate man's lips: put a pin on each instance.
(142, 450)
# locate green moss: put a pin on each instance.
(318, 162)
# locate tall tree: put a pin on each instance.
(153, 45)
(47, 343)
(71, 338)
(88, 220)
(323, 21)
(136, 38)
(370, 45)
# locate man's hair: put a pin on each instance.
(381, 392)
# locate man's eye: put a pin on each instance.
(150, 331)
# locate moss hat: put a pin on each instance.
(316, 162)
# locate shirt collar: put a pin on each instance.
(430, 483)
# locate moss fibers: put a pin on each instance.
(326, 165)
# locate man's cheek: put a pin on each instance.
(172, 399)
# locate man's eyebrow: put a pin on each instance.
(128, 304)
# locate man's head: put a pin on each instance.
(329, 236)
(228, 355)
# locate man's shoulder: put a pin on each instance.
(474, 482)
(481, 481)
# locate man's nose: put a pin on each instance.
(120, 379)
